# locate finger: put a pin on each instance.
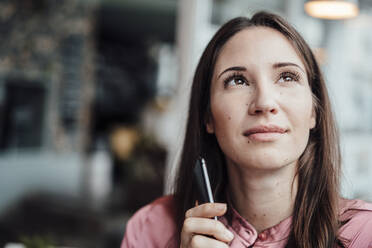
(207, 210)
(200, 241)
(210, 227)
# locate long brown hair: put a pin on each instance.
(315, 216)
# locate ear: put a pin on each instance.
(313, 119)
(209, 125)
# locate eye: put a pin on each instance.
(289, 77)
(235, 80)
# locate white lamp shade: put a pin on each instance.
(332, 9)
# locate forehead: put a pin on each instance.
(257, 46)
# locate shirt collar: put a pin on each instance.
(247, 234)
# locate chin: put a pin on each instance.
(273, 163)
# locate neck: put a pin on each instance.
(263, 197)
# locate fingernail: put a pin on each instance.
(229, 235)
(221, 206)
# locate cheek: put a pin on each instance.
(226, 116)
(299, 108)
(300, 119)
(222, 117)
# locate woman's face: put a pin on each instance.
(261, 102)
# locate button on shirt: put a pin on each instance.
(153, 226)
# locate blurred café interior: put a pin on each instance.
(93, 99)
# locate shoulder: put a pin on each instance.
(357, 218)
(151, 226)
(160, 209)
(355, 209)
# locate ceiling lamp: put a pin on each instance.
(332, 9)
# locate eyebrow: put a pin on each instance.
(284, 64)
(275, 66)
(234, 68)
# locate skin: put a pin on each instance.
(269, 88)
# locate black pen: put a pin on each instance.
(206, 182)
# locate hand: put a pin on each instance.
(199, 230)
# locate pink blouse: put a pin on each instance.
(153, 226)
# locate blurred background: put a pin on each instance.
(93, 102)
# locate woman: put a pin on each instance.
(261, 117)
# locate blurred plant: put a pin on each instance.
(37, 241)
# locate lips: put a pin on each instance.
(264, 129)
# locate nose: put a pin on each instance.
(263, 101)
